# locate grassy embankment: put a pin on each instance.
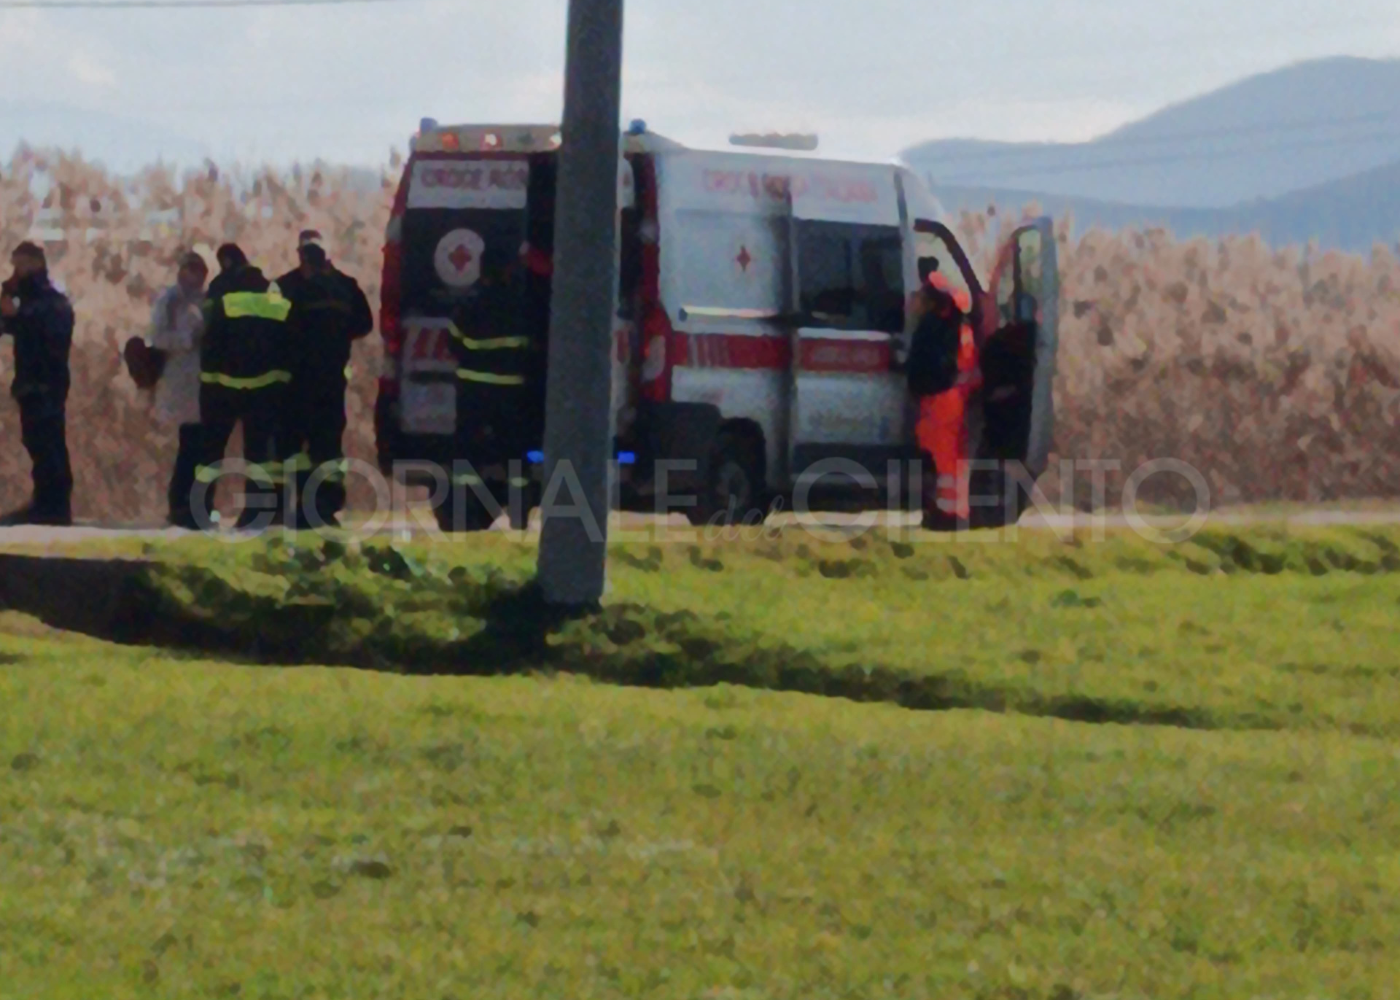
(175, 826)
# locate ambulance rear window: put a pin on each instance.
(461, 214)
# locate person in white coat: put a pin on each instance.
(176, 327)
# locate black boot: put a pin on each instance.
(52, 517)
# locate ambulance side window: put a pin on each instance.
(882, 260)
(829, 294)
(851, 276)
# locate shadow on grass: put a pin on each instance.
(460, 625)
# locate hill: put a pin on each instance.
(1348, 214)
(1261, 138)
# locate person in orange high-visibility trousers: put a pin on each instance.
(943, 373)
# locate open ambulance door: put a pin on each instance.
(1018, 359)
(1016, 319)
(847, 402)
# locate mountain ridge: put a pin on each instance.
(1262, 137)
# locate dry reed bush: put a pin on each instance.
(1274, 372)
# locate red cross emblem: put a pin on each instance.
(460, 257)
(744, 259)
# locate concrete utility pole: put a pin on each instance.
(578, 424)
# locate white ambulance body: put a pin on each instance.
(761, 318)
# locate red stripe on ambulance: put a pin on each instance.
(728, 350)
(845, 357)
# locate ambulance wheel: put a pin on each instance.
(733, 493)
(462, 511)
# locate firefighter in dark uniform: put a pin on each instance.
(245, 376)
(40, 319)
(494, 362)
(332, 313)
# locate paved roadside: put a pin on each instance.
(419, 524)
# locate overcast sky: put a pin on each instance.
(871, 76)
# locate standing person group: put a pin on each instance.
(276, 358)
(271, 356)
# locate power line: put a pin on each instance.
(172, 4)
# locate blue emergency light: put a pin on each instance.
(623, 458)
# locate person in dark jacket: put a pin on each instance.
(332, 313)
(494, 364)
(943, 373)
(40, 319)
(246, 361)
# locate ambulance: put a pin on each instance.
(760, 329)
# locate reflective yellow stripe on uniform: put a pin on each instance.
(254, 382)
(349, 372)
(493, 343)
(520, 482)
(490, 378)
(487, 343)
(263, 305)
(467, 479)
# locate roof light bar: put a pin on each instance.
(435, 138)
(803, 141)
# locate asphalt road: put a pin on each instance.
(419, 523)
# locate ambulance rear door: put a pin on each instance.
(458, 208)
(848, 273)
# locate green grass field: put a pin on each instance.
(199, 822)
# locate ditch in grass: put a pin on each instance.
(1265, 629)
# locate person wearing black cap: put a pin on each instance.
(40, 318)
(332, 313)
(245, 371)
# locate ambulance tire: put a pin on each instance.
(733, 493)
(462, 511)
